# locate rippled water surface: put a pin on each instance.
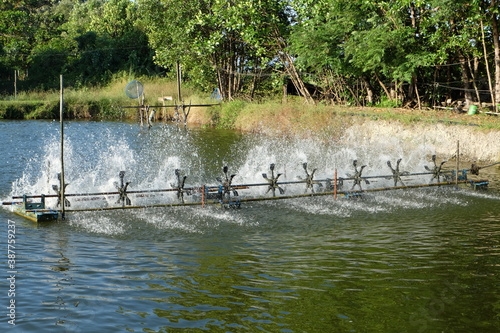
(424, 260)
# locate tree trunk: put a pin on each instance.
(473, 72)
(290, 68)
(465, 79)
(485, 53)
(387, 93)
(295, 77)
(496, 45)
(415, 84)
(369, 90)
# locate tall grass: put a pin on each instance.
(326, 120)
(294, 116)
(94, 102)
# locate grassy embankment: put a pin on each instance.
(90, 103)
(270, 116)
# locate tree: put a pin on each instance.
(367, 39)
(401, 51)
(16, 32)
(87, 41)
(225, 43)
(395, 43)
(492, 13)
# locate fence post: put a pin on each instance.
(335, 185)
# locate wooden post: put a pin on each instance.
(458, 163)
(203, 196)
(335, 185)
(61, 109)
(15, 84)
(180, 107)
(179, 97)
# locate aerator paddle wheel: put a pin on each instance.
(396, 174)
(181, 181)
(222, 194)
(122, 189)
(273, 181)
(358, 179)
(436, 170)
(225, 189)
(310, 179)
(58, 191)
(226, 182)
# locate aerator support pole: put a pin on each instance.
(61, 108)
(335, 185)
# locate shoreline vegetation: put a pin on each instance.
(272, 115)
(479, 133)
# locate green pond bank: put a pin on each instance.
(479, 134)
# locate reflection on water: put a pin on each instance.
(404, 261)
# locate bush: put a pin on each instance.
(17, 109)
(228, 113)
(388, 103)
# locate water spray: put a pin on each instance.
(222, 194)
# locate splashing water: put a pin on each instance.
(95, 153)
(93, 160)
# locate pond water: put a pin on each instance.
(420, 260)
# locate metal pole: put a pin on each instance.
(335, 185)
(61, 108)
(308, 195)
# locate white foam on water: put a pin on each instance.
(98, 223)
(189, 219)
(320, 208)
(166, 219)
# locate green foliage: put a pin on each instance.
(228, 114)
(86, 41)
(92, 103)
(347, 51)
(46, 110)
(388, 103)
(17, 110)
(219, 44)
